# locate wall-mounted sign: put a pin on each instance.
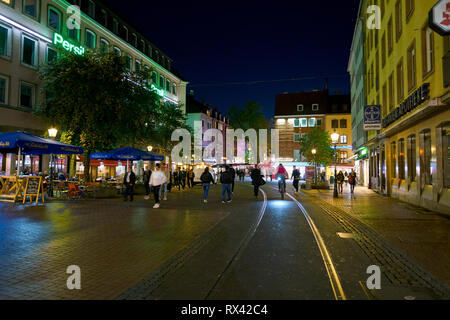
(439, 17)
(414, 100)
(372, 118)
(160, 92)
(59, 40)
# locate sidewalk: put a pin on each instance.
(423, 235)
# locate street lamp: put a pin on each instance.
(314, 151)
(149, 148)
(335, 140)
(52, 132)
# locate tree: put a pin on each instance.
(95, 98)
(249, 116)
(320, 140)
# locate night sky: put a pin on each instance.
(217, 42)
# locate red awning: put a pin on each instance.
(96, 163)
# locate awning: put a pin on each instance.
(127, 153)
(32, 144)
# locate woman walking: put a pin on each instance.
(340, 180)
(157, 179)
(206, 178)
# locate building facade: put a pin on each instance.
(33, 32)
(408, 76)
(296, 114)
(357, 70)
(211, 118)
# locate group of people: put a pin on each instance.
(181, 178)
(345, 177)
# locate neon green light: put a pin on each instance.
(363, 152)
(58, 39)
(160, 92)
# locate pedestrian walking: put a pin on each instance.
(191, 176)
(183, 176)
(157, 179)
(176, 178)
(340, 180)
(233, 176)
(206, 178)
(226, 179)
(296, 178)
(257, 180)
(352, 181)
(146, 179)
(164, 186)
(129, 181)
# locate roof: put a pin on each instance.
(286, 103)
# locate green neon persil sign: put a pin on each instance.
(59, 40)
(160, 92)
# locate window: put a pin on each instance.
(303, 122)
(137, 65)
(26, 95)
(319, 123)
(297, 156)
(74, 34)
(343, 155)
(142, 46)
(168, 86)
(383, 50)
(174, 88)
(115, 26)
(393, 160)
(425, 156)
(445, 136)
(343, 139)
(128, 62)
(315, 107)
(296, 137)
(52, 54)
(4, 81)
(312, 122)
(400, 81)
(385, 106)
(412, 66)
(149, 53)
(155, 77)
(134, 43)
(90, 39)
(409, 8)
(427, 51)
(401, 159)
(29, 51)
(391, 92)
(117, 51)
(398, 19)
(91, 8)
(334, 123)
(104, 20)
(54, 19)
(104, 46)
(299, 107)
(5, 41)
(411, 156)
(125, 33)
(343, 123)
(390, 36)
(161, 81)
(31, 8)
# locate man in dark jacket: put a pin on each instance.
(129, 180)
(226, 179)
(296, 178)
(256, 180)
(146, 178)
(233, 175)
(183, 176)
(206, 178)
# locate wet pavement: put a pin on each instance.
(250, 248)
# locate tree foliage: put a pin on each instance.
(320, 140)
(97, 100)
(248, 116)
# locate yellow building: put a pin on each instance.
(408, 74)
(341, 124)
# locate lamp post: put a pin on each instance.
(149, 148)
(314, 151)
(335, 140)
(52, 132)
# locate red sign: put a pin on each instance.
(439, 17)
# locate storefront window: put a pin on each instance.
(445, 131)
(425, 156)
(393, 160)
(401, 158)
(411, 145)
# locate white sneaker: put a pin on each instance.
(205, 201)
(223, 201)
(146, 197)
(156, 206)
(165, 198)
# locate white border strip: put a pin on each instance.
(18, 25)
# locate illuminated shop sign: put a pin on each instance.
(160, 92)
(410, 103)
(59, 40)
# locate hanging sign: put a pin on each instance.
(372, 118)
(439, 17)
